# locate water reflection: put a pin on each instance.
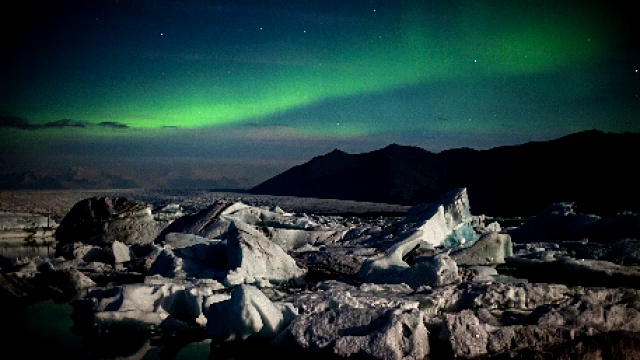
(20, 249)
(46, 328)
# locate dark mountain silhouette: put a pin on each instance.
(75, 178)
(80, 177)
(593, 169)
(28, 180)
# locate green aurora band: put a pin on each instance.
(417, 45)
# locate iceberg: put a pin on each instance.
(444, 224)
(248, 313)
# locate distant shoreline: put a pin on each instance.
(56, 203)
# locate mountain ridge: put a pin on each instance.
(590, 168)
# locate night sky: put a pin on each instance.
(231, 93)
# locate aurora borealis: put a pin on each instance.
(243, 90)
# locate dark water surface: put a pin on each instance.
(43, 331)
(18, 250)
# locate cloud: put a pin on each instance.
(10, 121)
(113, 125)
(65, 123)
(16, 122)
(258, 124)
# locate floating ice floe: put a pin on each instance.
(245, 256)
(290, 231)
(248, 313)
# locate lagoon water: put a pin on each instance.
(43, 330)
(17, 251)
